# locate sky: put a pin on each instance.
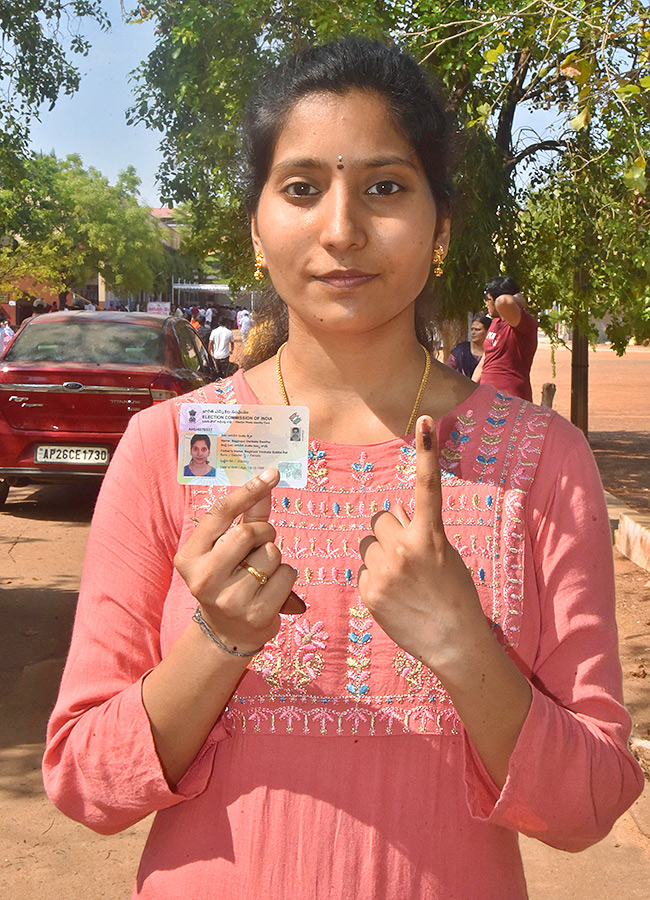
(92, 122)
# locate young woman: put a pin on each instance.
(390, 735)
(466, 356)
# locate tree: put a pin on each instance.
(586, 240)
(65, 223)
(38, 37)
(589, 63)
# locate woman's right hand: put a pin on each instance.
(241, 612)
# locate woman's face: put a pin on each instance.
(346, 221)
(478, 332)
(199, 452)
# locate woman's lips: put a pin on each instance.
(345, 278)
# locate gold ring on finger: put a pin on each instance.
(259, 576)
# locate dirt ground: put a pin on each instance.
(43, 532)
(619, 413)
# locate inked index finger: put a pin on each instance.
(428, 490)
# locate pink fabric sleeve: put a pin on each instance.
(571, 774)
(100, 766)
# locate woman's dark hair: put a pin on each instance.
(504, 284)
(418, 112)
(199, 437)
(485, 321)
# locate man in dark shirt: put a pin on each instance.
(511, 341)
(203, 331)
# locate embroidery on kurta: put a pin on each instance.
(294, 658)
(358, 661)
(452, 452)
(333, 671)
(317, 476)
(406, 468)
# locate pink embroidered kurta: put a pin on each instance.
(339, 768)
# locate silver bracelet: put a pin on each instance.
(205, 628)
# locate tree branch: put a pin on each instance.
(515, 93)
(531, 149)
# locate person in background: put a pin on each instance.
(6, 333)
(466, 356)
(40, 307)
(204, 332)
(244, 323)
(221, 345)
(511, 341)
(77, 304)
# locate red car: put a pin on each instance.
(70, 382)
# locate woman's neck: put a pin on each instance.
(359, 388)
(476, 349)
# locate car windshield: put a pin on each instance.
(88, 342)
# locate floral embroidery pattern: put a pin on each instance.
(360, 637)
(284, 669)
(405, 467)
(452, 451)
(512, 580)
(317, 476)
(419, 678)
(528, 449)
(362, 471)
(493, 433)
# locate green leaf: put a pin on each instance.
(635, 179)
(492, 56)
(627, 90)
(581, 120)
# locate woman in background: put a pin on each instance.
(466, 356)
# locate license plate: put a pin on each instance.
(71, 456)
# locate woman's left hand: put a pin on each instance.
(419, 590)
(414, 583)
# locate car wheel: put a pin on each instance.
(4, 490)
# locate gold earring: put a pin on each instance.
(438, 260)
(258, 274)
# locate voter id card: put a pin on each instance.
(227, 444)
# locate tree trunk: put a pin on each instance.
(580, 380)
(452, 331)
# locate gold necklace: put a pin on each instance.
(416, 406)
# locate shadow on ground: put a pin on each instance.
(623, 459)
(34, 641)
(73, 502)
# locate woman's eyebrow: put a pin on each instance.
(304, 162)
(310, 162)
